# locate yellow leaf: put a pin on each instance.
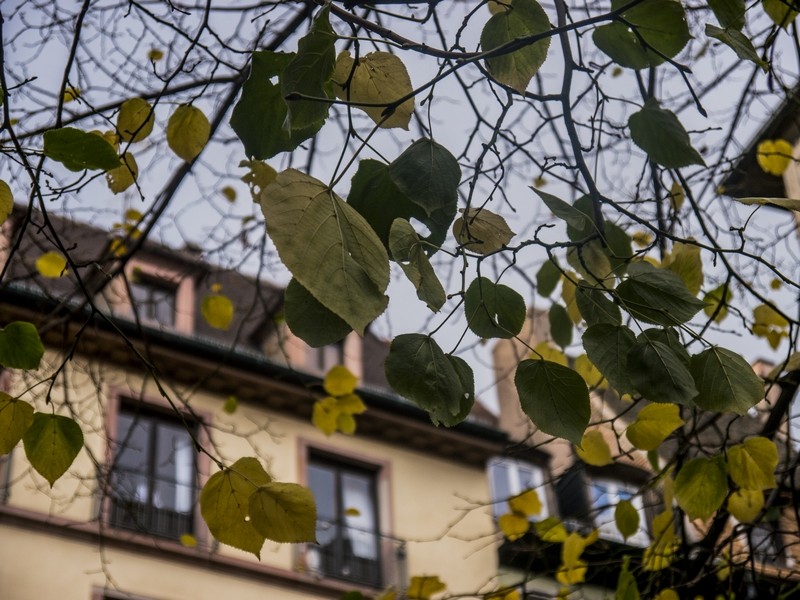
(124, 176)
(132, 215)
(591, 375)
(496, 7)
(389, 594)
(513, 526)
(351, 404)
(117, 248)
(217, 310)
(231, 404)
(574, 545)
(259, 177)
(717, 302)
(325, 415)
(572, 574)
(686, 262)
(660, 554)
(339, 381)
(544, 351)
(526, 504)
(377, 78)
(352, 512)
(110, 136)
(776, 284)
(540, 181)
(676, 196)
(768, 323)
(508, 594)
(568, 295)
(6, 201)
(745, 505)
(594, 450)
(752, 464)
(188, 540)
(71, 93)
(653, 425)
(774, 156)
(422, 588)
(135, 120)
(551, 530)
(51, 265)
(216, 288)
(188, 130)
(626, 518)
(229, 193)
(155, 54)
(667, 594)
(346, 423)
(482, 231)
(642, 238)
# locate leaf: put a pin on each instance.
(546, 351)
(660, 554)
(701, 487)
(225, 504)
(659, 133)
(568, 292)
(188, 130)
(685, 261)
(626, 518)
(513, 526)
(259, 115)
(660, 25)
(752, 464)
(480, 230)
(717, 301)
(746, 505)
(551, 530)
(627, 589)
(657, 296)
(593, 449)
(309, 319)
(774, 157)
(560, 325)
(769, 323)
(422, 588)
(526, 504)
(738, 42)
(493, 310)
(554, 397)
(325, 415)
(407, 250)
(78, 150)
(659, 374)
(51, 265)
(124, 176)
(229, 192)
(378, 78)
(677, 196)
(668, 337)
(607, 346)
(547, 277)
(653, 425)
(155, 54)
(308, 74)
(329, 248)
(339, 381)
(16, 417)
(729, 13)
(135, 120)
(787, 203)
(564, 211)
(20, 346)
(51, 444)
(417, 368)
(591, 375)
(231, 404)
(284, 512)
(780, 11)
(725, 381)
(524, 18)
(591, 261)
(187, 540)
(71, 93)
(217, 310)
(6, 201)
(595, 307)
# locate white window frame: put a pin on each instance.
(617, 490)
(515, 469)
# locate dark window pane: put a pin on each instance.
(154, 300)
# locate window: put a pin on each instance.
(605, 495)
(154, 299)
(347, 521)
(5, 477)
(509, 477)
(153, 475)
(324, 358)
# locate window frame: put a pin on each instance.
(498, 504)
(608, 529)
(157, 290)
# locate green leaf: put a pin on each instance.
(523, 18)
(661, 28)
(135, 120)
(752, 464)
(595, 306)
(560, 325)
(378, 78)
(627, 589)
(579, 230)
(618, 247)
(547, 277)
(284, 512)
(16, 417)
(309, 319)
(20, 346)
(329, 248)
(124, 176)
(659, 133)
(225, 504)
(717, 301)
(417, 368)
(480, 230)
(466, 398)
(78, 150)
(188, 130)
(669, 337)
(729, 13)
(309, 73)
(607, 346)
(725, 381)
(653, 425)
(659, 374)
(656, 296)
(554, 397)
(51, 444)
(746, 505)
(6, 201)
(259, 115)
(627, 518)
(780, 11)
(701, 487)
(409, 253)
(738, 42)
(564, 211)
(493, 310)
(590, 259)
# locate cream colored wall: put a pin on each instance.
(424, 494)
